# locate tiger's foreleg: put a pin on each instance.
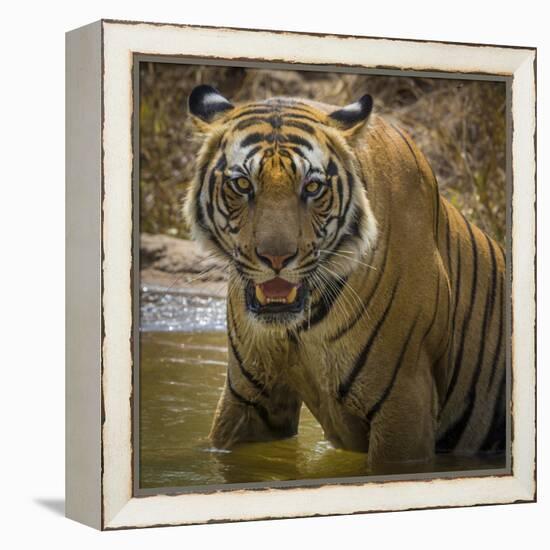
(404, 427)
(248, 412)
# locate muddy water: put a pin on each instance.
(182, 370)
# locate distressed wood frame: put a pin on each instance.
(99, 214)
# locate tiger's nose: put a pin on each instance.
(276, 262)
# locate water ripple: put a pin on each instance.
(174, 310)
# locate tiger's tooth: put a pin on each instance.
(260, 296)
(291, 295)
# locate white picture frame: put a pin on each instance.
(100, 388)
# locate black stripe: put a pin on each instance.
(386, 393)
(233, 229)
(251, 112)
(409, 147)
(448, 245)
(213, 231)
(219, 167)
(248, 375)
(441, 355)
(437, 207)
(200, 214)
(284, 167)
(292, 336)
(308, 264)
(239, 264)
(253, 121)
(495, 439)
(322, 308)
(263, 161)
(260, 409)
(226, 211)
(300, 125)
(450, 439)
(289, 115)
(237, 395)
(332, 168)
(498, 350)
(340, 191)
(345, 209)
(333, 174)
(326, 304)
(300, 108)
(456, 288)
(291, 160)
(331, 148)
(493, 288)
(297, 140)
(458, 360)
(251, 153)
(275, 121)
(434, 315)
(242, 253)
(437, 202)
(203, 170)
(329, 199)
(345, 386)
(366, 303)
(253, 139)
(354, 229)
(298, 152)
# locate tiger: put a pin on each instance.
(355, 287)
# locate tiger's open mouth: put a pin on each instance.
(276, 296)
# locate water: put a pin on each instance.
(165, 309)
(183, 353)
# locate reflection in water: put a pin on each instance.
(181, 377)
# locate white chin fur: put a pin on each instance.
(369, 227)
(369, 233)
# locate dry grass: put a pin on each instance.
(460, 126)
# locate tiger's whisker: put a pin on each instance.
(329, 252)
(357, 299)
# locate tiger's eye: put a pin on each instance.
(312, 188)
(242, 185)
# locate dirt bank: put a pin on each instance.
(180, 264)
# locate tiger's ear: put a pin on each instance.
(351, 118)
(206, 104)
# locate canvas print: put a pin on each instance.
(322, 275)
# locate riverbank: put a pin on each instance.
(180, 264)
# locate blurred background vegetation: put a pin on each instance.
(460, 126)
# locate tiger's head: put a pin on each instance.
(278, 191)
